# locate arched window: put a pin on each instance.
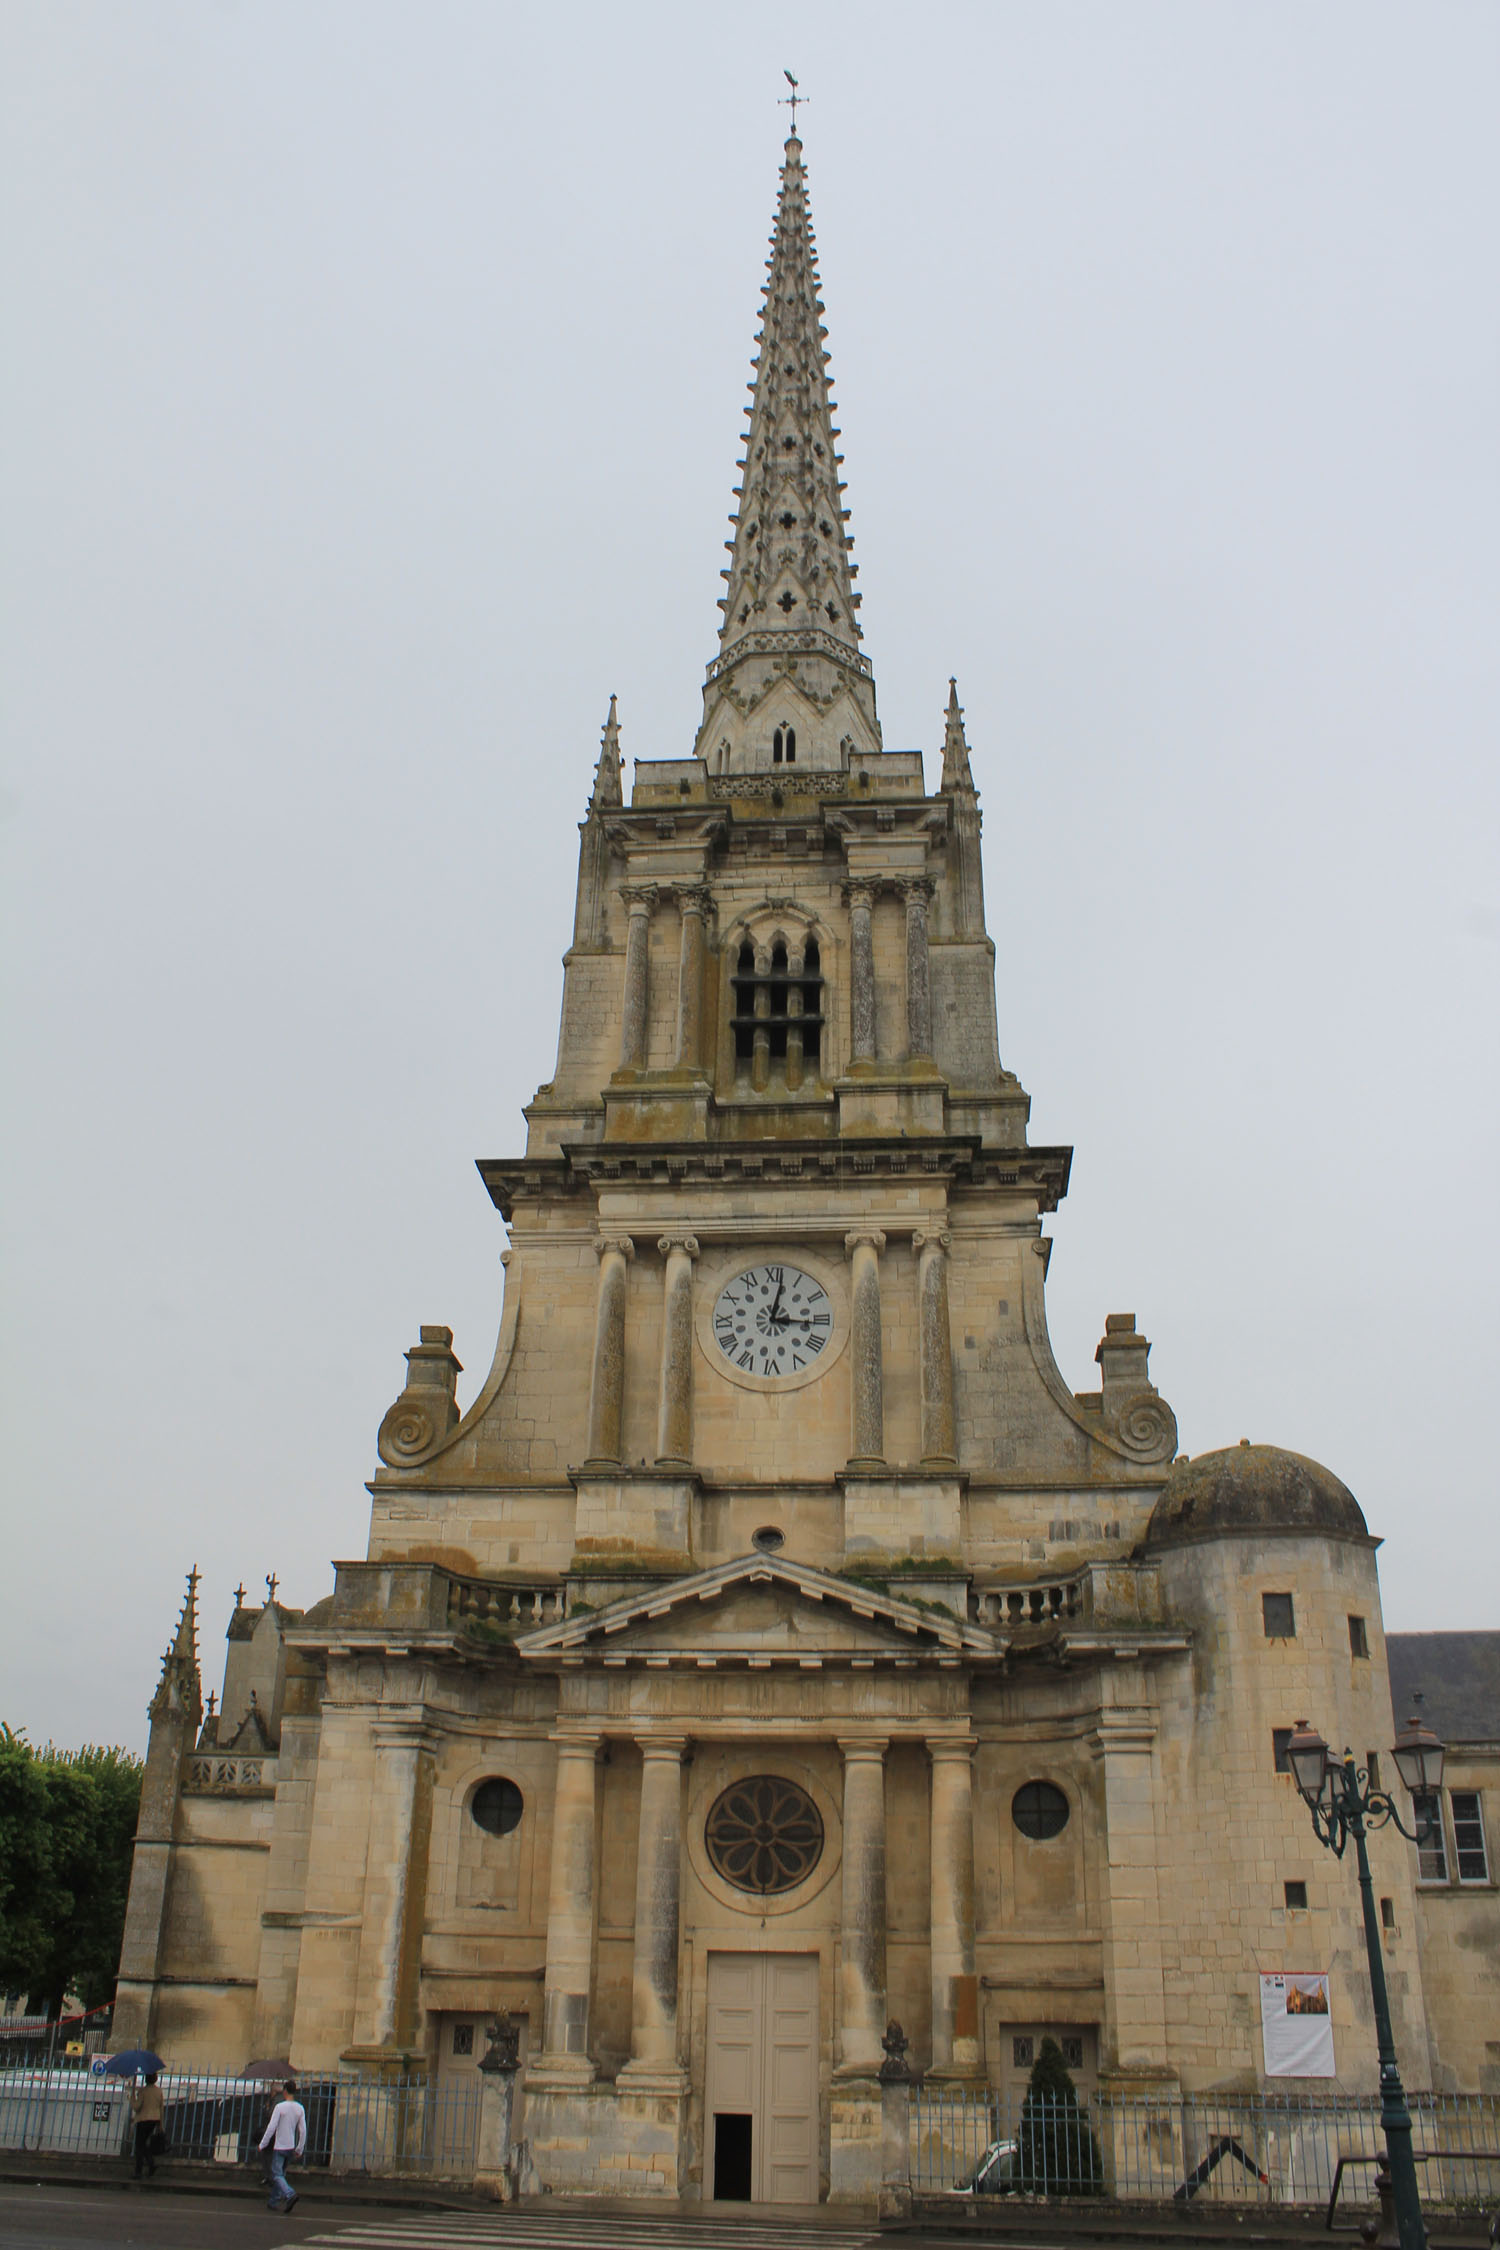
(778, 1010)
(778, 746)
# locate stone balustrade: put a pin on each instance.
(209, 1771)
(1012, 1608)
(487, 1601)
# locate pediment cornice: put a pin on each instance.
(866, 1628)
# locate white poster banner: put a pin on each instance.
(1296, 2028)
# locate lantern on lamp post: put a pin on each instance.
(1343, 1804)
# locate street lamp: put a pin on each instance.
(1343, 1804)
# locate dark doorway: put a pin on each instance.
(732, 2173)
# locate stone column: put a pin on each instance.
(936, 1349)
(390, 1938)
(694, 907)
(866, 1347)
(658, 1878)
(861, 902)
(674, 1420)
(955, 1988)
(1124, 1744)
(640, 898)
(862, 1966)
(607, 1387)
(570, 1912)
(917, 891)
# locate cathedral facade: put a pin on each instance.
(778, 1644)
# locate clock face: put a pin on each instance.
(772, 1321)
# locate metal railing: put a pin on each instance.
(1257, 2148)
(354, 2124)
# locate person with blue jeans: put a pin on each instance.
(285, 2137)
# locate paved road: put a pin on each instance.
(125, 2218)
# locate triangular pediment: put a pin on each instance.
(756, 1611)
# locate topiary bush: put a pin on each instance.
(1056, 2151)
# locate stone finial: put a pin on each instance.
(428, 1406)
(1136, 1416)
(608, 791)
(895, 2069)
(504, 2050)
(956, 773)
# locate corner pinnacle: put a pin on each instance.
(180, 1689)
(607, 789)
(956, 773)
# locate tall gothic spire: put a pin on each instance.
(607, 790)
(790, 610)
(180, 1690)
(956, 771)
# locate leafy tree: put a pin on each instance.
(67, 1818)
(1057, 2152)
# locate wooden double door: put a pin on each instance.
(761, 2107)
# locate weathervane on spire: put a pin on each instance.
(790, 101)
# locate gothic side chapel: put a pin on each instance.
(778, 1644)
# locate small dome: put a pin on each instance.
(1252, 1489)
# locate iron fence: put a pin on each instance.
(1258, 2149)
(354, 2124)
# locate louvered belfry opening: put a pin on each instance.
(778, 1013)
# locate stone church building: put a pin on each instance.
(779, 1644)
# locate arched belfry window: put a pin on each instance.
(778, 1010)
(784, 746)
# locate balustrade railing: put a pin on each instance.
(1015, 1607)
(490, 1601)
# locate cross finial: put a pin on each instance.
(272, 1582)
(239, 1595)
(790, 101)
(212, 1702)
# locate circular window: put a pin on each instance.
(497, 1806)
(768, 1539)
(764, 1834)
(1039, 1810)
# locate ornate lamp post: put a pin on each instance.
(1343, 1804)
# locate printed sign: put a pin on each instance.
(1296, 2028)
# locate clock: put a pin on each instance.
(774, 1321)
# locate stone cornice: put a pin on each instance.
(583, 1167)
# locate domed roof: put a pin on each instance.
(1252, 1489)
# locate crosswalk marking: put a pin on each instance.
(581, 2230)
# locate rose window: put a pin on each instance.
(764, 1834)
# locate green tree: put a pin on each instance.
(67, 1818)
(1057, 2153)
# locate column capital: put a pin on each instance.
(915, 889)
(863, 1748)
(931, 1238)
(617, 1242)
(694, 898)
(858, 1235)
(404, 1734)
(686, 1243)
(861, 890)
(950, 1748)
(576, 1745)
(640, 897)
(662, 1746)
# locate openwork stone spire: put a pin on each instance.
(607, 790)
(180, 1689)
(956, 773)
(790, 683)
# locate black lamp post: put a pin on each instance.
(1343, 1804)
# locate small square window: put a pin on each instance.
(1432, 1855)
(1278, 1617)
(1296, 1897)
(1359, 1639)
(463, 2039)
(1388, 1914)
(1468, 1836)
(1280, 1737)
(1023, 2052)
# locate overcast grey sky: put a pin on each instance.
(371, 407)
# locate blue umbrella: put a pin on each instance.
(135, 2062)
